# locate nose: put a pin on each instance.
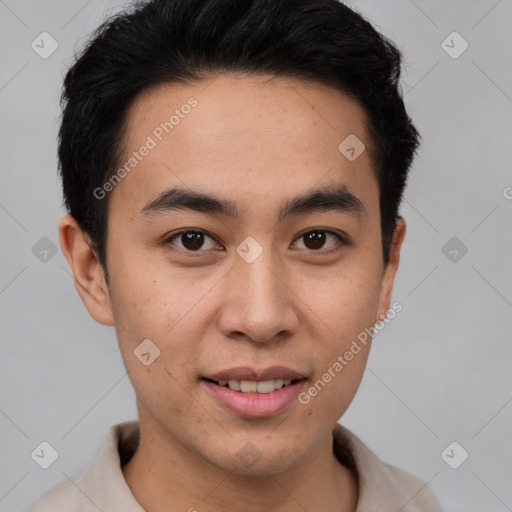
(258, 303)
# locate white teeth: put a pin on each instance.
(234, 384)
(248, 386)
(266, 386)
(252, 386)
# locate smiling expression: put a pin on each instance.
(247, 247)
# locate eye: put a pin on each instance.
(315, 240)
(192, 240)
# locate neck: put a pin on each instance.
(162, 471)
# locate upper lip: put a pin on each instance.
(248, 373)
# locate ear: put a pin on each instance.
(88, 274)
(389, 272)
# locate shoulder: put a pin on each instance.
(414, 492)
(382, 486)
(101, 483)
(63, 497)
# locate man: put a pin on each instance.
(232, 172)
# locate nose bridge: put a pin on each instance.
(258, 302)
(263, 288)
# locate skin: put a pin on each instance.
(255, 141)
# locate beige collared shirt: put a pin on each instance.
(101, 485)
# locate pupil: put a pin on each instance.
(192, 240)
(317, 238)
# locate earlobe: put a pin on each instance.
(391, 268)
(87, 272)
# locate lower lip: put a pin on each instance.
(255, 405)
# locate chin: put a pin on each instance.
(254, 459)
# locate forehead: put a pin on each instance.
(254, 137)
(250, 107)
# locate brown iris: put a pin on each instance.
(315, 239)
(192, 240)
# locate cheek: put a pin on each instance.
(147, 305)
(339, 357)
(345, 306)
(344, 299)
(155, 325)
(150, 297)
(329, 395)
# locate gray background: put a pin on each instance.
(438, 373)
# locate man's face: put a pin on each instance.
(253, 291)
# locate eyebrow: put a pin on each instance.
(334, 198)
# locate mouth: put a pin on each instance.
(255, 393)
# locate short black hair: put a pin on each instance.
(180, 41)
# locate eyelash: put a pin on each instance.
(342, 241)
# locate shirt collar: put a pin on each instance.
(382, 487)
(104, 486)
